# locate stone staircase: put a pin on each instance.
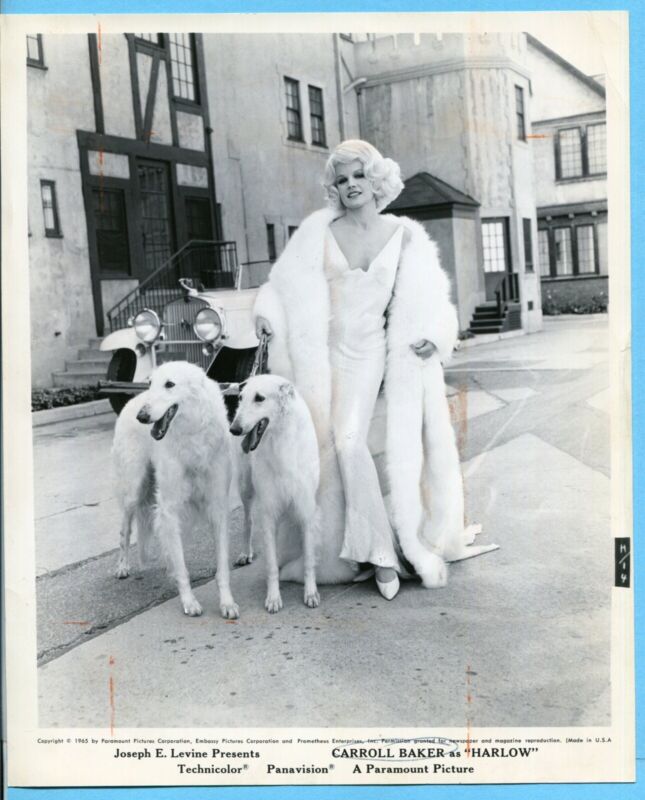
(487, 319)
(88, 369)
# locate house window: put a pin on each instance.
(597, 149)
(291, 230)
(111, 229)
(528, 245)
(35, 50)
(569, 250)
(586, 243)
(581, 152)
(317, 114)
(519, 113)
(271, 242)
(494, 241)
(294, 120)
(153, 38)
(563, 252)
(50, 209)
(543, 253)
(570, 149)
(199, 223)
(182, 66)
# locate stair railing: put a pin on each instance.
(507, 291)
(210, 264)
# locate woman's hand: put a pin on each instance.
(423, 348)
(263, 327)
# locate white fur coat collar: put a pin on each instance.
(426, 500)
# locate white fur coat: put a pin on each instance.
(426, 501)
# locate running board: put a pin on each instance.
(127, 387)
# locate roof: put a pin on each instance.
(423, 190)
(562, 62)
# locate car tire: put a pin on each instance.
(122, 367)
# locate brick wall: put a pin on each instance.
(574, 295)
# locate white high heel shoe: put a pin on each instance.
(389, 589)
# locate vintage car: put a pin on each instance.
(209, 327)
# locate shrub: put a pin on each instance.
(596, 304)
(54, 398)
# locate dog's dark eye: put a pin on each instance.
(168, 385)
(259, 398)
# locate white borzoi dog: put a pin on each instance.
(280, 475)
(172, 458)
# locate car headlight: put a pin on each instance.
(208, 325)
(147, 326)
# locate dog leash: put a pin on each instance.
(260, 361)
(259, 367)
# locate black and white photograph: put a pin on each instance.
(328, 409)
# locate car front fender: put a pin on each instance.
(126, 339)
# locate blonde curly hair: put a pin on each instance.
(383, 174)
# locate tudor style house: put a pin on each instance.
(120, 161)
(570, 156)
(143, 144)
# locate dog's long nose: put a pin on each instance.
(144, 415)
(235, 429)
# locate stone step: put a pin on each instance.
(92, 366)
(490, 329)
(76, 378)
(95, 342)
(92, 354)
(476, 325)
(492, 314)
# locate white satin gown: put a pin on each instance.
(357, 356)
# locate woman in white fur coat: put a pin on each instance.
(358, 296)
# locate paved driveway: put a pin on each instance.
(525, 628)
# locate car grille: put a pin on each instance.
(178, 319)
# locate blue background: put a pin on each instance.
(636, 11)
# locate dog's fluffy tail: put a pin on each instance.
(144, 516)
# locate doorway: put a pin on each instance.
(156, 213)
(497, 253)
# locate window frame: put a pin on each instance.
(113, 274)
(594, 239)
(595, 125)
(520, 113)
(286, 82)
(40, 61)
(558, 155)
(192, 197)
(508, 258)
(585, 173)
(272, 249)
(159, 44)
(317, 89)
(55, 232)
(177, 98)
(572, 225)
(529, 260)
(548, 274)
(565, 227)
